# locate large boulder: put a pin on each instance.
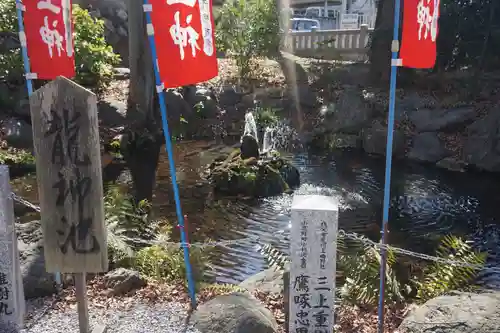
(459, 312)
(36, 281)
(350, 114)
(238, 175)
(482, 142)
(269, 281)
(115, 16)
(121, 281)
(427, 147)
(235, 313)
(375, 140)
(427, 120)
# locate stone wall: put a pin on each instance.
(115, 16)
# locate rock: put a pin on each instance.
(351, 113)
(229, 97)
(452, 164)
(268, 281)
(460, 312)
(120, 73)
(234, 175)
(343, 141)
(427, 147)
(249, 147)
(235, 313)
(17, 133)
(304, 95)
(375, 140)
(203, 102)
(114, 14)
(290, 174)
(112, 112)
(123, 280)
(482, 142)
(36, 281)
(23, 109)
(427, 120)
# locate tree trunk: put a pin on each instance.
(142, 140)
(380, 50)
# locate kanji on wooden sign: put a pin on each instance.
(184, 36)
(49, 38)
(420, 31)
(69, 176)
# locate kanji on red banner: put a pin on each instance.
(184, 35)
(420, 30)
(49, 38)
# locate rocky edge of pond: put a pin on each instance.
(457, 139)
(248, 172)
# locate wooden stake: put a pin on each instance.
(81, 298)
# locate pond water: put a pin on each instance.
(427, 203)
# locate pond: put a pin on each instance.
(427, 203)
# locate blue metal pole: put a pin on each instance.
(27, 69)
(24, 50)
(171, 162)
(388, 161)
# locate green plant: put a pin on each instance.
(248, 29)
(16, 156)
(165, 261)
(266, 116)
(362, 277)
(358, 268)
(439, 278)
(94, 58)
(127, 224)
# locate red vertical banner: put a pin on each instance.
(185, 41)
(49, 38)
(420, 31)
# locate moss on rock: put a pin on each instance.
(252, 177)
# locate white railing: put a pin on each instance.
(329, 44)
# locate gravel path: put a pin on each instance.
(139, 318)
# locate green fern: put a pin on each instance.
(274, 257)
(439, 278)
(362, 277)
(127, 225)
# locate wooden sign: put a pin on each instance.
(68, 163)
(313, 263)
(12, 304)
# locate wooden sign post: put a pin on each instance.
(313, 251)
(11, 283)
(68, 163)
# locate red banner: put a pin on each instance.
(184, 35)
(420, 30)
(49, 38)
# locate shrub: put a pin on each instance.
(165, 262)
(94, 58)
(359, 271)
(439, 278)
(127, 225)
(248, 29)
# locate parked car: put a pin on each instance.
(304, 24)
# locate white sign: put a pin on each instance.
(313, 253)
(349, 21)
(11, 282)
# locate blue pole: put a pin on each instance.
(168, 146)
(388, 161)
(27, 69)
